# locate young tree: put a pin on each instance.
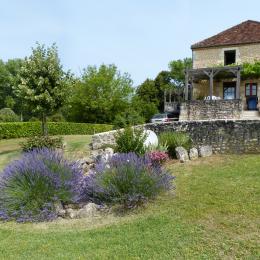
(43, 83)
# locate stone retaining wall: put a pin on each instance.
(225, 136)
(211, 109)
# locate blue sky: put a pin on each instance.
(139, 36)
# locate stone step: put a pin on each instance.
(250, 115)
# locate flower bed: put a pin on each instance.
(42, 185)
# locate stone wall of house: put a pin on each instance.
(225, 136)
(210, 109)
(208, 57)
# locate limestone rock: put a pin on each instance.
(182, 154)
(151, 139)
(61, 213)
(194, 154)
(71, 213)
(89, 210)
(205, 150)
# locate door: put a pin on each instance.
(229, 90)
(251, 96)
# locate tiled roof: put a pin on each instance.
(243, 33)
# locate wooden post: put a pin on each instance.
(238, 83)
(170, 95)
(186, 84)
(191, 89)
(211, 75)
(164, 99)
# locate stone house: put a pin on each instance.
(214, 88)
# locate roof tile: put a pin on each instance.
(243, 33)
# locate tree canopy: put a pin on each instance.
(100, 94)
(43, 85)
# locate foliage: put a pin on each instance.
(99, 95)
(130, 140)
(158, 157)
(145, 109)
(148, 92)
(30, 187)
(8, 115)
(177, 71)
(129, 180)
(163, 81)
(38, 142)
(29, 129)
(160, 147)
(58, 117)
(173, 140)
(43, 83)
(251, 70)
(128, 118)
(8, 78)
(146, 100)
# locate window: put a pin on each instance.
(229, 57)
(229, 90)
(251, 89)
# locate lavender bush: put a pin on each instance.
(30, 187)
(127, 179)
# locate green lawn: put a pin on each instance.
(77, 145)
(214, 213)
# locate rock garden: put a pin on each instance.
(43, 185)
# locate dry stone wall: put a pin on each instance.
(211, 109)
(225, 136)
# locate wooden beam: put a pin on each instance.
(238, 84)
(191, 89)
(211, 84)
(186, 84)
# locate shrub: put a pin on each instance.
(30, 187)
(158, 157)
(58, 117)
(28, 129)
(42, 142)
(128, 118)
(129, 180)
(8, 115)
(173, 140)
(130, 140)
(159, 147)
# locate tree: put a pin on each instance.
(100, 95)
(148, 92)
(8, 78)
(43, 84)
(163, 81)
(143, 108)
(177, 71)
(177, 74)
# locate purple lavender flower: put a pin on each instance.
(29, 187)
(127, 179)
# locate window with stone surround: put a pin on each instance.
(229, 57)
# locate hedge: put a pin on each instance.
(27, 129)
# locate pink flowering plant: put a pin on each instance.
(158, 157)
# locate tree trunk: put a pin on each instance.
(44, 125)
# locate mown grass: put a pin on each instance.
(76, 145)
(213, 214)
